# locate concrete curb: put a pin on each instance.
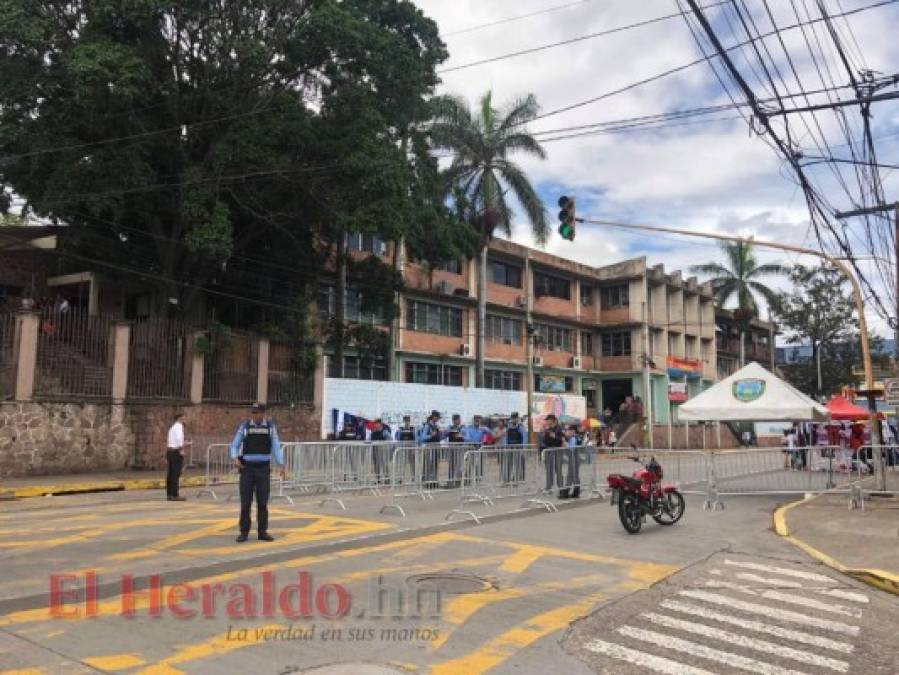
(881, 579)
(98, 486)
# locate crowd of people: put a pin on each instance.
(848, 442)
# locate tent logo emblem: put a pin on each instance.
(748, 391)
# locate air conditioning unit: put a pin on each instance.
(537, 361)
(465, 349)
(576, 362)
(445, 287)
(521, 301)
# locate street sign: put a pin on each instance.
(891, 391)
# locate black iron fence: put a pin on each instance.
(158, 359)
(74, 355)
(289, 378)
(230, 367)
(7, 355)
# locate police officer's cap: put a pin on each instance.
(514, 416)
(435, 413)
(257, 408)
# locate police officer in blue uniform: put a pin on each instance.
(254, 446)
(407, 436)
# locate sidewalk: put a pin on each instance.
(861, 544)
(41, 486)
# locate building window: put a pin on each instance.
(352, 306)
(502, 329)
(505, 274)
(707, 351)
(453, 266)
(433, 373)
(615, 297)
(586, 295)
(586, 343)
(616, 344)
(368, 243)
(550, 286)
(554, 338)
(690, 348)
(357, 368)
(507, 380)
(674, 344)
(424, 317)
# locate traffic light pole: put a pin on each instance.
(856, 294)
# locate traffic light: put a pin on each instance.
(567, 218)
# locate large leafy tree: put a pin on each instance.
(818, 312)
(482, 176)
(215, 146)
(739, 277)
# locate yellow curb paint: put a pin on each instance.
(885, 581)
(111, 485)
(220, 644)
(505, 645)
(115, 661)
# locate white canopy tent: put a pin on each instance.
(753, 394)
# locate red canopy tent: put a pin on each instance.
(843, 409)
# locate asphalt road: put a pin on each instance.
(547, 592)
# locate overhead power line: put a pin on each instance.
(519, 17)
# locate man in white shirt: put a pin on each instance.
(174, 455)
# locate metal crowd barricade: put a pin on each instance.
(572, 470)
(775, 471)
(220, 470)
(496, 472)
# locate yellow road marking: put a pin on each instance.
(115, 661)
(220, 644)
(322, 527)
(26, 671)
(504, 645)
(520, 560)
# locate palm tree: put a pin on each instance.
(482, 175)
(740, 278)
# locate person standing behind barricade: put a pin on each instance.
(552, 439)
(254, 446)
(430, 434)
(513, 464)
(405, 435)
(348, 433)
(455, 456)
(573, 463)
(380, 433)
(476, 434)
(174, 457)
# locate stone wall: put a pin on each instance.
(47, 438)
(41, 438)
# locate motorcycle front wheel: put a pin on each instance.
(629, 512)
(672, 508)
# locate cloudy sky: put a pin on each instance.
(710, 175)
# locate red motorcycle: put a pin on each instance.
(643, 494)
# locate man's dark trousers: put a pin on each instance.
(254, 477)
(175, 461)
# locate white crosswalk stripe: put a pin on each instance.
(772, 612)
(759, 626)
(783, 571)
(714, 624)
(748, 642)
(697, 649)
(658, 664)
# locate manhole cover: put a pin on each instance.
(453, 584)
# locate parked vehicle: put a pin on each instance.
(643, 494)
